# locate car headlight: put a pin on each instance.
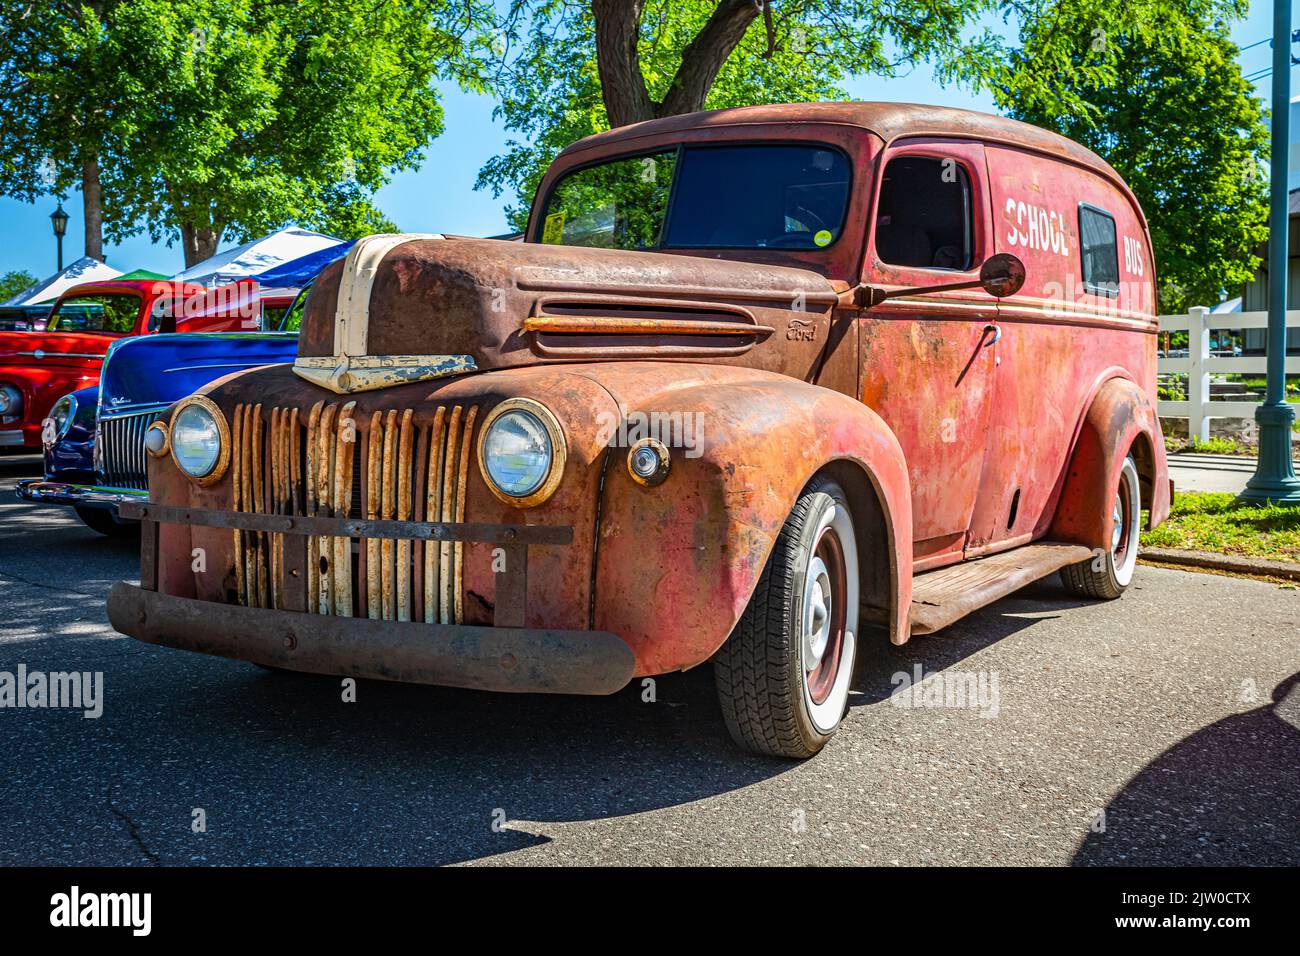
(61, 415)
(11, 400)
(521, 452)
(200, 440)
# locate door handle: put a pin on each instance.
(997, 334)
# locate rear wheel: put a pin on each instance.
(106, 522)
(1107, 574)
(783, 675)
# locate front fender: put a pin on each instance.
(1121, 419)
(677, 563)
(71, 458)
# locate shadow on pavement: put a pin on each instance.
(286, 772)
(1231, 785)
(879, 661)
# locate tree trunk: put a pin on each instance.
(93, 208)
(618, 30)
(618, 27)
(199, 242)
(704, 56)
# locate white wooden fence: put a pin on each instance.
(1199, 364)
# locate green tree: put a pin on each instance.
(13, 282)
(568, 70)
(216, 117)
(1163, 100)
(1151, 85)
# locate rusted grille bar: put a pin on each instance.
(385, 468)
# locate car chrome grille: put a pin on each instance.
(120, 458)
(329, 462)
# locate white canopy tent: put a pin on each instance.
(256, 257)
(84, 269)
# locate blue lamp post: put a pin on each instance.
(1275, 479)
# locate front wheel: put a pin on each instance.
(1108, 574)
(783, 675)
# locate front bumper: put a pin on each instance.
(78, 496)
(481, 658)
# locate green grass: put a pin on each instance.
(1216, 445)
(1206, 521)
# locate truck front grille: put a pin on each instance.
(332, 463)
(120, 459)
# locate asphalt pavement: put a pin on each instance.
(1162, 728)
(1192, 471)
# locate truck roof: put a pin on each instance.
(887, 120)
(143, 287)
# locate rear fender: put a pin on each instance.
(1120, 421)
(678, 563)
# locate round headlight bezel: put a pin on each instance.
(14, 394)
(160, 427)
(559, 452)
(660, 456)
(222, 462)
(61, 429)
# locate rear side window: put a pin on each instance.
(1099, 251)
(924, 217)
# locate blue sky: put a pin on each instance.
(440, 196)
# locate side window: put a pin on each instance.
(1099, 251)
(291, 320)
(162, 315)
(924, 216)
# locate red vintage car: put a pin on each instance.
(38, 368)
(762, 384)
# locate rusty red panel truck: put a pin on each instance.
(759, 385)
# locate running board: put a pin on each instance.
(941, 597)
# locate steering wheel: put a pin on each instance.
(790, 240)
(800, 240)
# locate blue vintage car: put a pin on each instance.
(96, 458)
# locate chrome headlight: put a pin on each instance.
(200, 440)
(61, 416)
(11, 400)
(521, 452)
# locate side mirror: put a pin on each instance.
(1001, 275)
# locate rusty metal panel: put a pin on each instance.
(404, 465)
(386, 513)
(311, 467)
(446, 551)
(149, 555)
(341, 565)
(325, 504)
(374, 472)
(512, 588)
(433, 512)
(504, 534)
(481, 658)
(236, 468)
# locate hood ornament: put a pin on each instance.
(350, 368)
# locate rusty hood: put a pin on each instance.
(406, 308)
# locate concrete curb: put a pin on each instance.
(1236, 564)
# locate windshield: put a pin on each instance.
(770, 196)
(96, 312)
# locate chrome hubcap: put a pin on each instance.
(817, 615)
(1117, 535)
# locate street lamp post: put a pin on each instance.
(1274, 479)
(60, 220)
